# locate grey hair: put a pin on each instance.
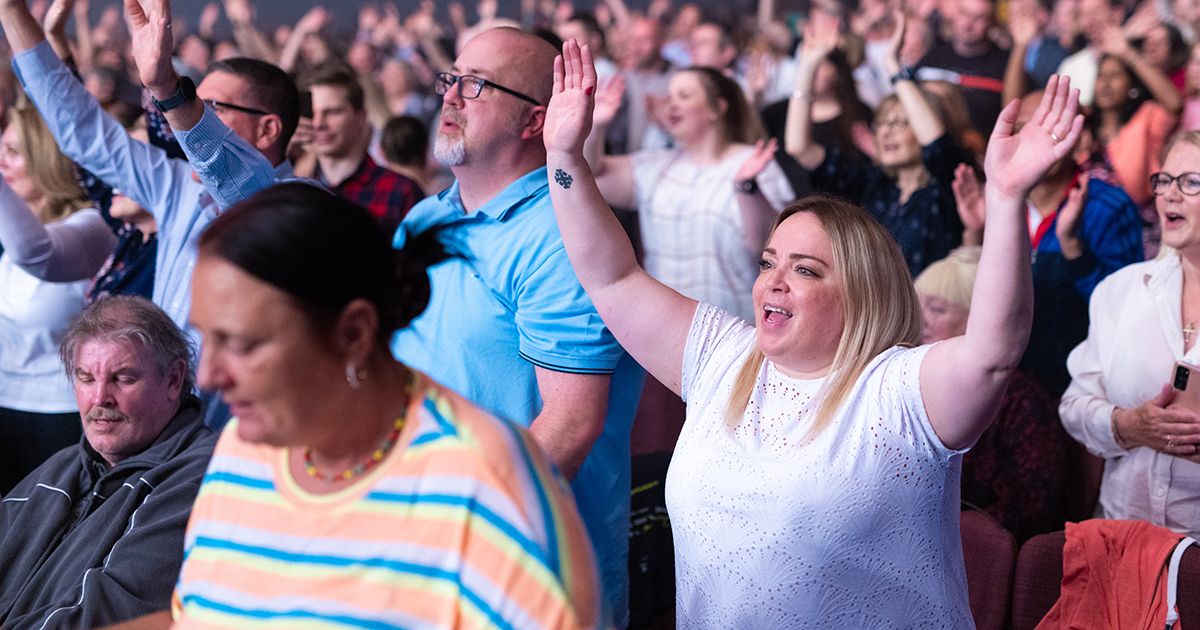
(134, 319)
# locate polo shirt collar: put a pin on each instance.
(530, 185)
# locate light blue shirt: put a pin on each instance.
(182, 207)
(507, 302)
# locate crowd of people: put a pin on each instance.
(300, 326)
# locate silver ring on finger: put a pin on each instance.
(1170, 440)
(1054, 137)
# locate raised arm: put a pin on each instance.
(650, 320)
(1023, 28)
(153, 43)
(963, 379)
(820, 38)
(613, 173)
(1159, 84)
(65, 251)
(921, 118)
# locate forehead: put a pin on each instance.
(97, 356)
(1183, 158)
(686, 81)
(223, 86)
(329, 96)
(975, 8)
(484, 55)
(706, 33)
(802, 233)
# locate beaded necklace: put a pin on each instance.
(377, 455)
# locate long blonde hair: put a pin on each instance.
(879, 304)
(52, 172)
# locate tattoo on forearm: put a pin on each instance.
(563, 178)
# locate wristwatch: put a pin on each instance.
(746, 186)
(905, 74)
(184, 94)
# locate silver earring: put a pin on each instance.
(352, 376)
(1133, 92)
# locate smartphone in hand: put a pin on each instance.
(1186, 383)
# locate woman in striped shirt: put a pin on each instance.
(349, 490)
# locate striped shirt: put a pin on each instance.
(465, 525)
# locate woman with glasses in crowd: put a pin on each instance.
(909, 189)
(1144, 318)
(816, 479)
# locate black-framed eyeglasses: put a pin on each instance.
(249, 110)
(470, 86)
(1189, 183)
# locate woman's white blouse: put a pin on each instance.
(1135, 336)
(858, 528)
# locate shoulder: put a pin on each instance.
(1118, 284)
(1105, 196)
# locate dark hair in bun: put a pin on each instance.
(325, 251)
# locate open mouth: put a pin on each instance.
(774, 314)
(1172, 219)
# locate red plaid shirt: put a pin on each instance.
(386, 194)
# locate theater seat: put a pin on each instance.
(990, 554)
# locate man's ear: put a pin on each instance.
(535, 122)
(175, 376)
(270, 127)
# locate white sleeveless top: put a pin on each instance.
(857, 529)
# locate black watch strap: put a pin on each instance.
(746, 186)
(905, 74)
(184, 94)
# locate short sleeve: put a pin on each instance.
(557, 324)
(717, 342)
(895, 382)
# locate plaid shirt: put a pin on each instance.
(386, 194)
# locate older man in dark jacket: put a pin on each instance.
(95, 535)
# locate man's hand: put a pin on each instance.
(1066, 227)
(150, 29)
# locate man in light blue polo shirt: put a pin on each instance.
(508, 325)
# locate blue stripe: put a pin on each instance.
(466, 593)
(333, 561)
(446, 427)
(548, 519)
(425, 438)
(239, 480)
(472, 506)
(356, 622)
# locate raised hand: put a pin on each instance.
(892, 59)
(968, 195)
(1015, 163)
(820, 38)
(764, 152)
(152, 44)
(1023, 27)
(313, 21)
(208, 19)
(1114, 43)
(569, 115)
(608, 99)
(239, 11)
(1070, 217)
(55, 23)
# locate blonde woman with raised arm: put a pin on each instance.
(816, 478)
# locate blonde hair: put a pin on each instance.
(1191, 137)
(53, 174)
(879, 305)
(951, 278)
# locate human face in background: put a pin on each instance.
(338, 129)
(12, 167)
(124, 401)
(690, 115)
(1112, 85)
(1179, 214)
(943, 319)
(895, 141)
